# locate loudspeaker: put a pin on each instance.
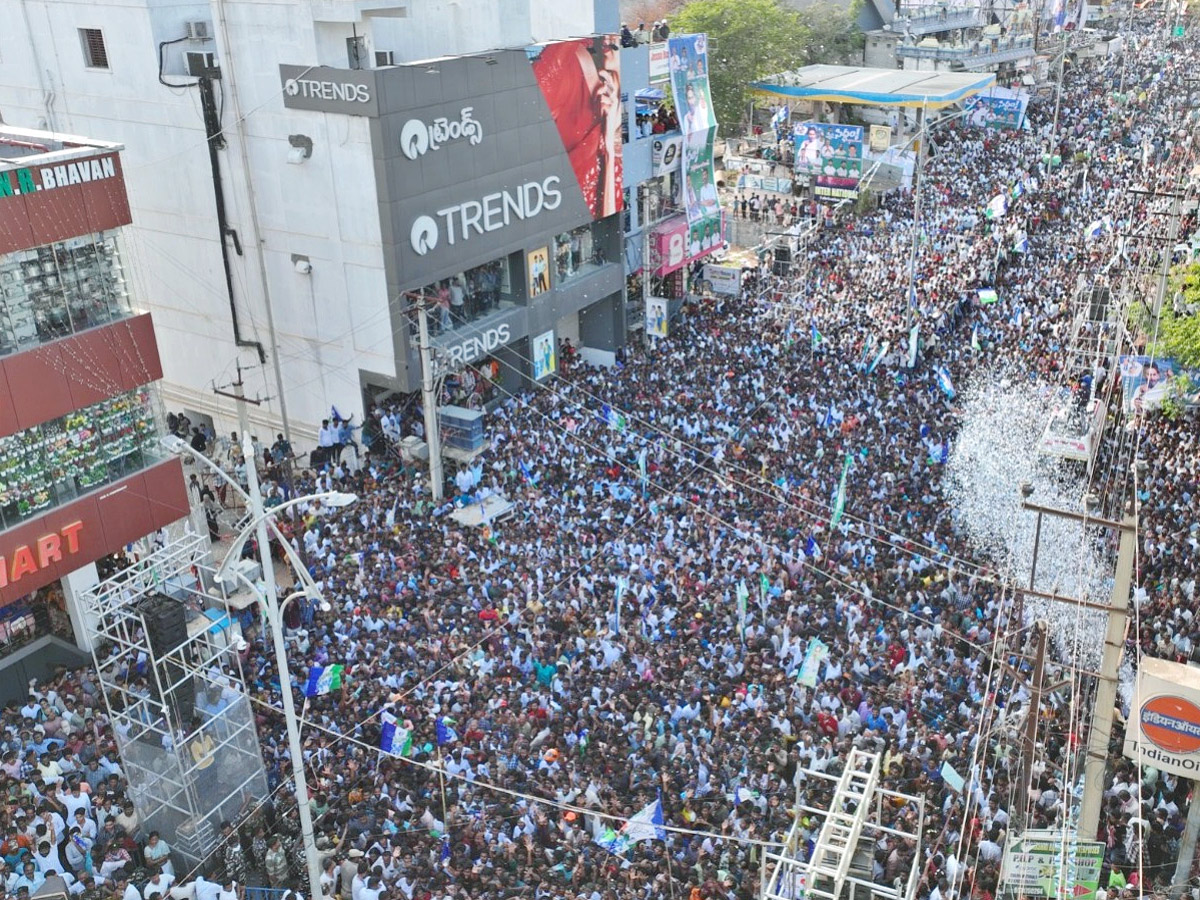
(1098, 304)
(166, 623)
(166, 630)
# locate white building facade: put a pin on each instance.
(266, 228)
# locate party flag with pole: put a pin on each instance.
(975, 339)
(323, 679)
(839, 504)
(817, 338)
(394, 738)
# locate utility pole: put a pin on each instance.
(1114, 641)
(1106, 689)
(239, 394)
(433, 437)
(1029, 744)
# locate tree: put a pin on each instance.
(747, 40)
(1179, 325)
(834, 37)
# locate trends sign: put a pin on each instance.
(490, 213)
(480, 156)
(323, 89)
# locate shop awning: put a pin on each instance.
(874, 87)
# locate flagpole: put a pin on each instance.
(667, 849)
(442, 786)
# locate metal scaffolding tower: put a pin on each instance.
(183, 723)
(841, 862)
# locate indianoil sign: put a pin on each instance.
(1164, 719)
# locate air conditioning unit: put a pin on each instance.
(199, 31)
(384, 58)
(200, 63)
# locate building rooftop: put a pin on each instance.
(30, 147)
(875, 87)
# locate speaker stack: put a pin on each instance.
(166, 629)
(783, 260)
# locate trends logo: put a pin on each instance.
(414, 138)
(417, 138)
(291, 87)
(423, 235)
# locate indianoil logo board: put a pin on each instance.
(1164, 726)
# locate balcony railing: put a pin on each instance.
(933, 21)
(973, 56)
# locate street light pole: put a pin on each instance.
(275, 620)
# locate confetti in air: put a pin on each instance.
(1003, 416)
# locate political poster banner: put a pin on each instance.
(723, 279)
(545, 361)
(1147, 381)
(815, 655)
(881, 138)
(833, 155)
(656, 317)
(1001, 108)
(674, 243)
(765, 183)
(688, 61)
(1163, 730)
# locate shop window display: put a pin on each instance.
(51, 292)
(53, 463)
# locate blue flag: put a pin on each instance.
(942, 374)
(445, 734)
(811, 550)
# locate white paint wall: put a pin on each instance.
(331, 323)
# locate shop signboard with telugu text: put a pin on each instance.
(693, 105)
(1163, 730)
(461, 187)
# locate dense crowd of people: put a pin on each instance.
(636, 630)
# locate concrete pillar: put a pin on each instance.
(82, 621)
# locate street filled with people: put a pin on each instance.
(636, 634)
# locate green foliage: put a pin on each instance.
(752, 39)
(1179, 335)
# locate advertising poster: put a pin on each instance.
(581, 81)
(765, 183)
(1146, 381)
(656, 317)
(1034, 863)
(675, 243)
(832, 153)
(724, 279)
(693, 105)
(539, 271)
(665, 153)
(545, 360)
(660, 69)
(881, 138)
(1163, 730)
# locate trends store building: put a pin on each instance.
(499, 183)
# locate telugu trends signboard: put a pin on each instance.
(56, 200)
(514, 146)
(352, 92)
(1163, 730)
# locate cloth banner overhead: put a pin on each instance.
(693, 105)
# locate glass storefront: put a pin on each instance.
(576, 253)
(53, 463)
(468, 296)
(60, 289)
